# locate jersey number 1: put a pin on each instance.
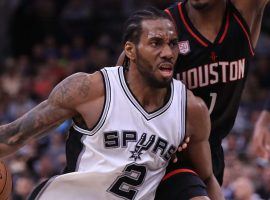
(125, 185)
(213, 102)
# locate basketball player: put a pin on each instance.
(261, 142)
(216, 41)
(128, 121)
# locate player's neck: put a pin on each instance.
(149, 97)
(210, 11)
(209, 18)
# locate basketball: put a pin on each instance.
(5, 181)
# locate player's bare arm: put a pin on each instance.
(61, 104)
(252, 11)
(198, 151)
(261, 136)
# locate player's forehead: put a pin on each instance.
(162, 28)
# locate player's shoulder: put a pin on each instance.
(82, 81)
(196, 104)
(198, 117)
(197, 111)
(244, 6)
(78, 88)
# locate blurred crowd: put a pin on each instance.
(42, 42)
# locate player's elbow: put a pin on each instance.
(209, 178)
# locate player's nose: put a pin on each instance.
(167, 52)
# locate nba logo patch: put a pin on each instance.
(184, 47)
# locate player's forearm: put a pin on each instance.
(15, 134)
(213, 188)
(264, 119)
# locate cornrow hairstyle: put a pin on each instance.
(133, 25)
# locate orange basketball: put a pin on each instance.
(5, 181)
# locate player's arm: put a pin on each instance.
(59, 106)
(252, 11)
(198, 151)
(261, 136)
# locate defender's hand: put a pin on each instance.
(181, 147)
(261, 142)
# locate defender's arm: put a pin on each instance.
(261, 136)
(198, 151)
(252, 11)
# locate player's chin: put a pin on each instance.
(165, 82)
(199, 5)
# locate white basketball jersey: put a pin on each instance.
(125, 155)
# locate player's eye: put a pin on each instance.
(156, 43)
(174, 43)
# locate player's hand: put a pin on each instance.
(261, 142)
(181, 147)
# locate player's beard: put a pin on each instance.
(148, 75)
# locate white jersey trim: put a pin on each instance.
(105, 109)
(184, 112)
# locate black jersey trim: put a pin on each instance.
(196, 34)
(226, 28)
(174, 13)
(41, 188)
(37, 190)
(243, 24)
(105, 108)
(168, 12)
(187, 24)
(135, 102)
(252, 52)
(74, 150)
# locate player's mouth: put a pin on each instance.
(166, 69)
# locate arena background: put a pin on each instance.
(43, 41)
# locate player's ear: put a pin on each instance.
(130, 50)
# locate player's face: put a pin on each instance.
(201, 4)
(157, 51)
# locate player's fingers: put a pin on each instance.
(184, 145)
(187, 139)
(180, 148)
(260, 143)
(260, 150)
(174, 158)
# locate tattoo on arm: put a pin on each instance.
(59, 106)
(41, 118)
(71, 90)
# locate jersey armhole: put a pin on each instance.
(105, 109)
(244, 26)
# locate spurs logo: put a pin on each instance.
(142, 146)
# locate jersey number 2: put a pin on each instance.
(125, 185)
